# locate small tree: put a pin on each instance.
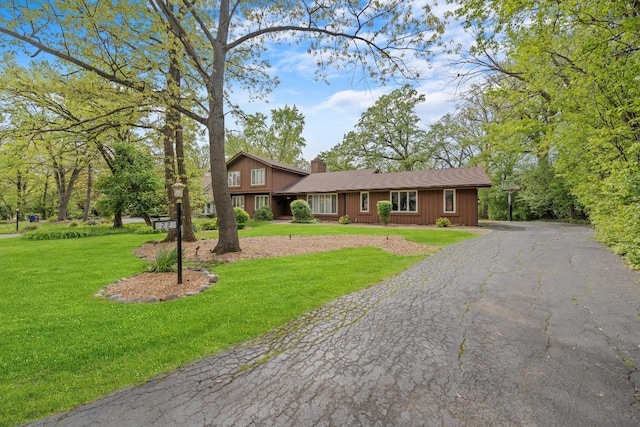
(133, 186)
(301, 211)
(384, 211)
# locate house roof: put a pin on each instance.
(370, 180)
(268, 162)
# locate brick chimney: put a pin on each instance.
(318, 166)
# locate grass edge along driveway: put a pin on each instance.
(60, 346)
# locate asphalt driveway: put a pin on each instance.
(533, 324)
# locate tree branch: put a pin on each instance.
(138, 87)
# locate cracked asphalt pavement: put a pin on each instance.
(534, 324)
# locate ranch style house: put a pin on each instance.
(417, 197)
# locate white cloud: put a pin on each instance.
(333, 110)
(348, 101)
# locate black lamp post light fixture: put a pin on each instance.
(178, 192)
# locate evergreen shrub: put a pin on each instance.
(301, 211)
(264, 213)
(443, 222)
(384, 211)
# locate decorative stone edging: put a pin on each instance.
(113, 296)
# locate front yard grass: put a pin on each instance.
(60, 346)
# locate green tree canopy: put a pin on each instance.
(279, 139)
(571, 70)
(133, 186)
(387, 136)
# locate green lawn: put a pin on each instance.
(60, 347)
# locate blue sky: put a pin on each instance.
(331, 110)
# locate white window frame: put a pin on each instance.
(399, 193)
(363, 201)
(444, 200)
(237, 201)
(233, 179)
(257, 205)
(319, 205)
(258, 176)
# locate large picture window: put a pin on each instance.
(237, 201)
(323, 203)
(257, 177)
(449, 201)
(364, 202)
(234, 179)
(404, 201)
(261, 201)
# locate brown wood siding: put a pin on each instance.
(281, 179)
(245, 166)
(275, 179)
(430, 207)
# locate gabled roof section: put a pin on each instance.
(369, 180)
(268, 162)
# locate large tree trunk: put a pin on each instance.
(173, 133)
(228, 240)
(64, 189)
(187, 225)
(169, 176)
(45, 193)
(87, 199)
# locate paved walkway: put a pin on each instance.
(533, 324)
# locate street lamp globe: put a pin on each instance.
(178, 190)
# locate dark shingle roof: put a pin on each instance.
(369, 180)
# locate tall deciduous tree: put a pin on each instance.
(388, 136)
(222, 41)
(280, 140)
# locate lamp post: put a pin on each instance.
(178, 191)
(17, 218)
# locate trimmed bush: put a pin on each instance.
(264, 213)
(210, 225)
(241, 216)
(301, 211)
(443, 222)
(384, 211)
(344, 220)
